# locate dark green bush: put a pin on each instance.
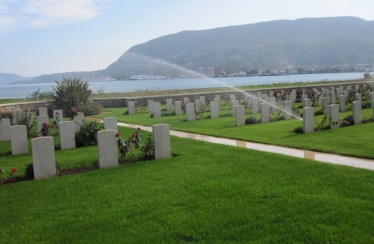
(87, 134)
(347, 121)
(251, 120)
(298, 130)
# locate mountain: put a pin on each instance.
(8, 78)
(307, 42)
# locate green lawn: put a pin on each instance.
(353, 141)
(206, 193)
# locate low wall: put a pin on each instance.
(26, 106)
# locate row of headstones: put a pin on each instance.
(333, 111)
(325, 101)
(252, 102)
(43, 154)
(17, 134)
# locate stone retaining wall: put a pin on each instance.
(27, 106)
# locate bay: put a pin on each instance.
(24, 90)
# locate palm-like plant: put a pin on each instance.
(71, 93)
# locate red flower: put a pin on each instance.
(14, 170)
(9, 179)
(76, 110)
(117, 135)
(146, 149)
(133, 135)
(44, 125)
(57, 113)
(35, 136)
(139, 128)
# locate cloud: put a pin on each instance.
(16, 14)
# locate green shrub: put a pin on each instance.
(90, 108)
(71, 93)
(347, 121)
(251, 120)
(87, 134)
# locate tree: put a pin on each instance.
(71, 93)
(367, 75)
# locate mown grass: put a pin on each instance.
(352, 141)
(207, 193)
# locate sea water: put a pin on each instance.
(24, 90)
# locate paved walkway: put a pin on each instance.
(299, 153)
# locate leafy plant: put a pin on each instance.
(87, 134)
(7, 179)
(27, 120)
(44, 131)
(347, 121)
(71, 93)
(323, 124)
(132, 149)
(251, 120)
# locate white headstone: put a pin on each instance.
(325, 105)
(198, 105)
(273, 101)
(18, 139)
(150, 106)
(107, 148)
(372, 99)
(178, 108)
(156, 110)
(342, 103)
(333, 98)
(78, 120)
(131, 107)
(185, 100)
(239, 115)
(287, 109)
(110, 123)
(17, 116)
(233, 104)
(43, 157)
(67, 134)
(358, 97)
(161, 137)
(356, 107)
(169, 104)
(254, 107)
(58, 116)
(4, 129)
(42, 119)
(265, 107)
(308, 120)
(213, 110)
(334, 116)
(43, 111)
(190, 112)
(218, 101)
(307, 103)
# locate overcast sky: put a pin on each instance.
(51, 36)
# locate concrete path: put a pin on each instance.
(299, 153)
